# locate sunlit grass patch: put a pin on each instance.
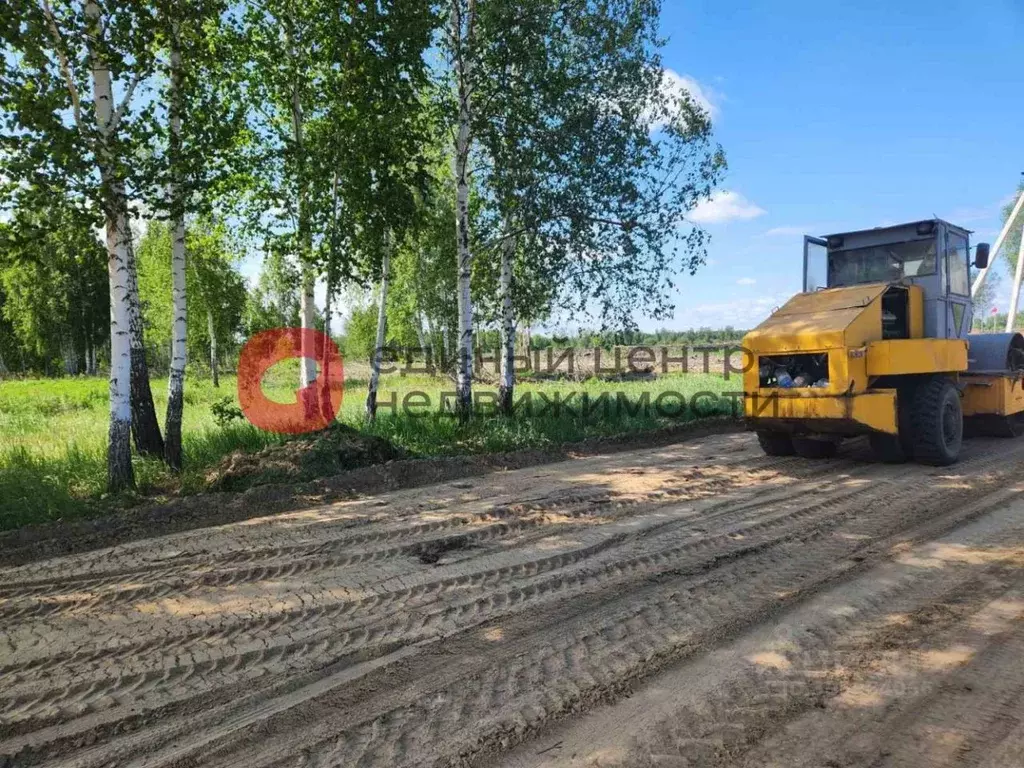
(53, 433)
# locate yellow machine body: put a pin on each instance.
(858, 395)
(990, 394)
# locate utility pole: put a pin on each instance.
(1011, 316)
(980, 279)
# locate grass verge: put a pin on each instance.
(53, 432)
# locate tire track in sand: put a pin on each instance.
(577, 626)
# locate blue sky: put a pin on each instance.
(844, 115)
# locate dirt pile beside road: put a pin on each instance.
(334, 450)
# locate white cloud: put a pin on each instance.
(746, 281)
(788, 231)
(675, 83)
(725, 205)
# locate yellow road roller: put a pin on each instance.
(879, 344)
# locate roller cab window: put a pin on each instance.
(881, 263)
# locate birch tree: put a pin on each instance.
(204, 120)
(587, 165)
(381, 338)
(215, 288)
(176, 198)
(70, 76)
(341, 83)
(283, 72)
(462, 42)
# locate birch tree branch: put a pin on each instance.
(123, 106)
(65, 66)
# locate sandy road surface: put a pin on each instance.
(697, 604)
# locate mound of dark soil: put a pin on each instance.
(334, 450)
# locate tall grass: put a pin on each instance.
(53, 432)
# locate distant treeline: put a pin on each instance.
(694, 337)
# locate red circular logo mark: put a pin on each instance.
(316, 405)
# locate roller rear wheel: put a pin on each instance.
(937, 421)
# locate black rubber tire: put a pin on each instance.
(775, 443)
(937, 421)
(810, 448)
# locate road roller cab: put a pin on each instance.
(879, 344)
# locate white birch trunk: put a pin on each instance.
(307, 306)
(119, 459)
(462, 37)
(421, 337)
(211, 330)
(307, 318)
(176, 379)
(508, 329)
(431, 341)
(382, 328)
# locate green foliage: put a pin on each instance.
(361, 332)
(50, 144)
(590, 338)
(587, 160)
(213, 285)
(984, 299)
(322, 132)
(205, 162)
(53, 289)
(274, 301)
(1011, 246)
(337, 163)
(225, 412)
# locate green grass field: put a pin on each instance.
(53, 432)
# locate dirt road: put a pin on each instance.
(690, 605)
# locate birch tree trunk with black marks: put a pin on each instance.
(145, 427)
(119, 451)
(382, 329)
(176, 380)
(462, 29)
(506, 389)
(118, 236)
